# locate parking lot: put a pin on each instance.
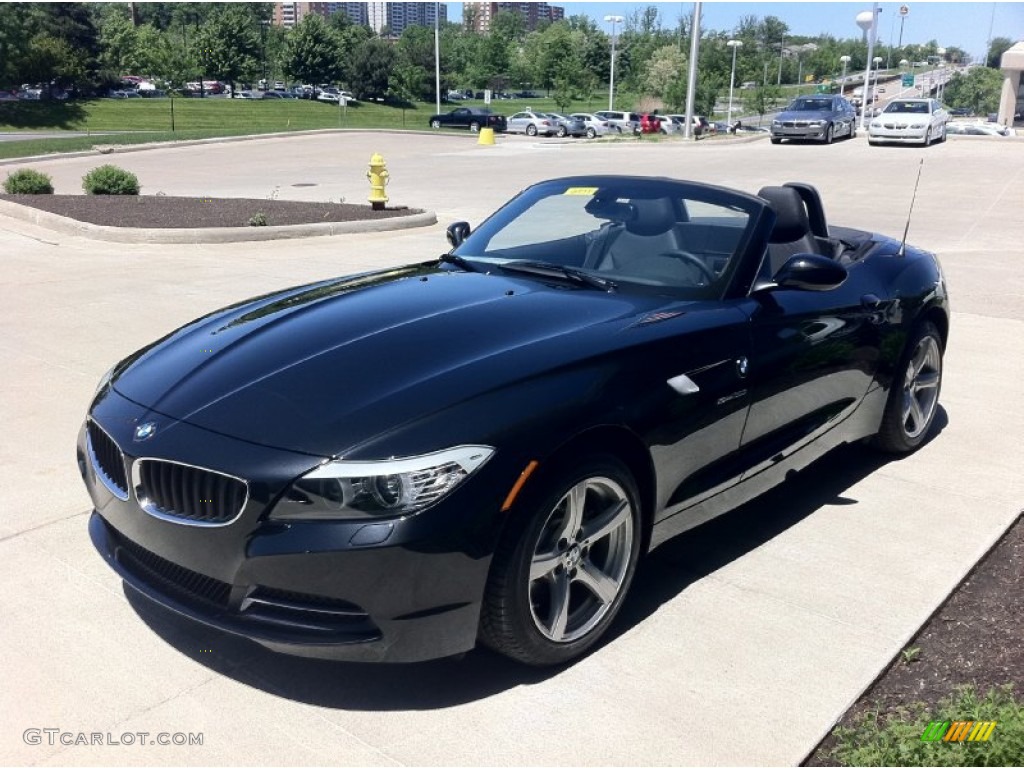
(742, 642)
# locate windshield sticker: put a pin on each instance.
(580, 191)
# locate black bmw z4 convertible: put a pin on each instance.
(400, 464)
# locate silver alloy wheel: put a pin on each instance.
(921, 387)
(581, 559)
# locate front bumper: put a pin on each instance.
(906, 135)
(814, 133)
(403, 590)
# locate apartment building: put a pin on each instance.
(478, 16)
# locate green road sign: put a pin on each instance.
(908, 81)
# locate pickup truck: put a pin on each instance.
(469, 117)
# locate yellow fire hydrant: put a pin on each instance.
(378, 176)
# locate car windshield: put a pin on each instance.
(810, 105)
(634, 233)
(909, 107)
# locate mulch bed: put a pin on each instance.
(974, 638)
(165, 212)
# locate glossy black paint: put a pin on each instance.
(407, 361)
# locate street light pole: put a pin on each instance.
(782, 48)
(691, 76)
(613, 20)
(437, 58)
(868, 21)
(735, 45)
(842, 81)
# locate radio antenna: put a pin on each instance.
(906, 229)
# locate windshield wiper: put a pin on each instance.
(547, 269)
(451, 258)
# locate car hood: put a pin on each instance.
(902, 118)
(804, 114)
(323, 368)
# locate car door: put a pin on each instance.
(517, 123)
(813, 356)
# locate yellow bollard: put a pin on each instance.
(378, 176)
(486, 136)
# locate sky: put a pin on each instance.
(962, 24)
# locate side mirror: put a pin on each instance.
(807, 272)
(457, 232)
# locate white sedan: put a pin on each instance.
(909, 121)
(595, 125)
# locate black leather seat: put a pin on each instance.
(792, 231)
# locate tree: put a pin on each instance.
(372, 65)
(312, 52)
(996, 49)
(761, 100)
(228, 44)
(665, 67)
(978, 90)
(119, 43)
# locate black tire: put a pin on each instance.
(828, 134)
(853, 130)
(591, 133)
(776, 141)
(904, 428)
(474, 127)
(520, 616)
(531, 130)
(435, 124)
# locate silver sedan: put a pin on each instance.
(595, 125)
(532, 123)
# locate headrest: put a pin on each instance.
(610, 209)
(653, 217)
(791, 221)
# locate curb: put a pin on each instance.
(117, 149)
(73, 227)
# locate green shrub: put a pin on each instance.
(28, 182)
(894, 738)
(258, 220)
(110, 180)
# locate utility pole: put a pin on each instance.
(691, 82)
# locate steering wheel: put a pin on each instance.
(694, 261)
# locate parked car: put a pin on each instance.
(482, 447)
(650, 123)
(533, 123)
(701, 125)
(595, 125)
(568, 125)
(472, 118)
(623, 122)
(915, 121)
(248, 95)
(961, 112)
(817, 118)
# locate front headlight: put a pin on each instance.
(776, 124)
(816, 123)
(104, 381)
(347, 490)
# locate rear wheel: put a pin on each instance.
(562, 569)
(560, 133)
(591, 133)
(914, 397)
(435, 124)
(531, 130)
(474, 127)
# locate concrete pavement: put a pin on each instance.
(741, 643)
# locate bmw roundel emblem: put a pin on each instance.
(145, 431)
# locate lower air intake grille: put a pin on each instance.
(171, 578)
(185, 494)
